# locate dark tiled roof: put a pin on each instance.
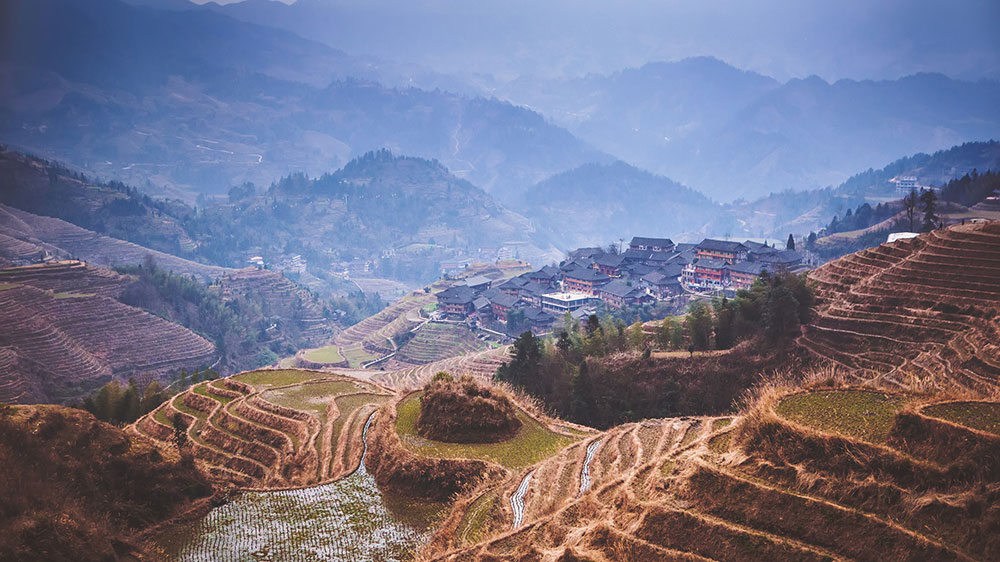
(504, 300)
(710, 264)
(749, 267)
(610, 260)
(661, 242)
(781, 257)
(721, 245)
(587, 275)
(619, 288)
(637, 255)
(672, 269)
(586, 253)
(456, 295)
(480, 303)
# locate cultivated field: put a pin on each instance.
(826, 474)
(270, 428)
(61, 346)
(920, 314)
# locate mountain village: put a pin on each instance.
(649, 271)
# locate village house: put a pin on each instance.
(610, 265)
(726, 251)
(619, 294)
(743, 274)
(502, 304)
(456, 300)
(563, 302)
(585, 281)
(651, 244)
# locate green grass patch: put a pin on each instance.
(721, 423)
(311, 398)
(984, 416)
(5, 286)
(473, 524)
(328, 354)
(202, 389)
(356, 356)
(71, 295)
(532, 443)
(860, 414)
(161, 416)
(278, 377)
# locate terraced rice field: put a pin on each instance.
(437, 341)
(984, 416)
(58, 349)
(757, 488)
(344, 520)
(864, 415)
(921, 313)
(271, 428)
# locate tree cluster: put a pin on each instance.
(118, 404)
(597, 372)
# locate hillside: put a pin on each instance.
(595, 204)
(314, 108)
(402, 213)
(778, 482)
(61, 346)
(801, 212)
(921, 313)
(881, 449)
(412, 208)
(75, 488)
(270, 428)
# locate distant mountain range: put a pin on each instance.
(193, 101)
(734, 134)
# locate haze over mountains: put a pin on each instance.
(192, 100)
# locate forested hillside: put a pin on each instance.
(600, 203)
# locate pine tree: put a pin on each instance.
(790, 245)
(928, 204)
(910, 206)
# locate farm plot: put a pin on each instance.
(346, 520)
(434, 342)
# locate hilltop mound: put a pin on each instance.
(74, 488)
(919, 313)
(464, 411)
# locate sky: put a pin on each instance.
(785, 39)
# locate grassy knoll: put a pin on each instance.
(984, 416)
(277, 377)
(328, 354)
(311, 398)
(532, 442)
(861, 414)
